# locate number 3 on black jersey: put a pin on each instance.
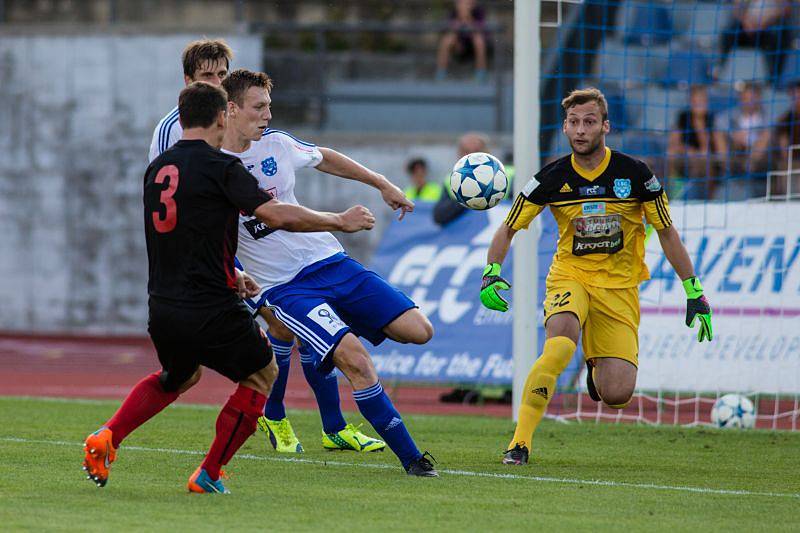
(168, 222)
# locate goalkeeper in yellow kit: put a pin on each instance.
(599, 198)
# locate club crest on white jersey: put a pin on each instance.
(275, 257)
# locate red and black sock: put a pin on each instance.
(144, 401)
(235, 423)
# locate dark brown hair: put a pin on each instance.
(199, 104)
(583, 96)
(197, 53)
(238, 81)
(416, 162)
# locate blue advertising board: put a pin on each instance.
(440, 268)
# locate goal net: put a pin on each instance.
(708, 94)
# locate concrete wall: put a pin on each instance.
(77, 115)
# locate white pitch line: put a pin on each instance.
(468, 473)
(88, 401)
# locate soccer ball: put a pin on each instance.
(479, 181)
(733, 411)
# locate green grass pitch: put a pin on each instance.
(584, 476)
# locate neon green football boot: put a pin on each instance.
(280, 435)
(350, 438)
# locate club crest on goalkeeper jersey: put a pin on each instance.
(275, 257)
(600, 215)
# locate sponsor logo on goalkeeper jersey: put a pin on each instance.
(652, 184)
(597, 235)
(565, 188)
(598, 226)
(593, 208)
(594, 190)
(622, 187)
(530, 186)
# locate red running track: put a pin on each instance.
(107, 367)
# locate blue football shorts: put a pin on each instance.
(330, 298)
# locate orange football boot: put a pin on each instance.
(100, 453)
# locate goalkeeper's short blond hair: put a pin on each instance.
(586, 95)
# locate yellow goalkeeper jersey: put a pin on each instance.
(600, 215)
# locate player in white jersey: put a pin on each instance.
(206, 60)
(322, 295)
(209, 61)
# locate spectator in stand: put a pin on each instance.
(696, 151)
(788, 133)
(421, 190)
(762, 24)
(465, 37)
(748, 134)
(447, 209)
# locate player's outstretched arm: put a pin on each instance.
(492, 282)
(340, 165)
(297, 218)
(697, 306)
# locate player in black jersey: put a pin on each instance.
(193, 194)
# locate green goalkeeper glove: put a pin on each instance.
(492, 282)
(697, 307)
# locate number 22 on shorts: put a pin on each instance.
(559, 300)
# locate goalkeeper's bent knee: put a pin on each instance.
(616, 399)
(620, 405)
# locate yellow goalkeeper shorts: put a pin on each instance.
(609, 317)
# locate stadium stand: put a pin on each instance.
(651, 53)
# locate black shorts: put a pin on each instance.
(465, 47)
(225, 339)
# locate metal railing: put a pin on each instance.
(788, 178)
(318, 91)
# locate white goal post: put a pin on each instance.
(526, 161)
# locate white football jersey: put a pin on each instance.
(275, 257)
(167, 133)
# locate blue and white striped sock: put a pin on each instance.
(326, 390)
(274, 409)
(377, 408)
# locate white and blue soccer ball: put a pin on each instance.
(479, 181)
(733, 411)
